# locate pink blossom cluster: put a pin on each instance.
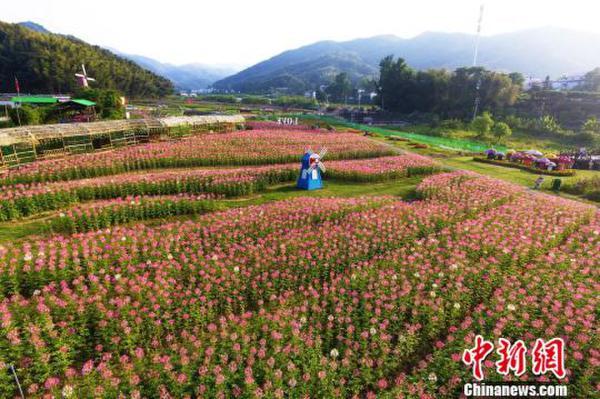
(301, 298)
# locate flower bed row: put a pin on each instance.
(381, 169)
(234, 149)
(127, 210)
(508, 164)
(26, 200)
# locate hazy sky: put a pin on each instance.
(243, 32)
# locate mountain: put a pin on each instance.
(538, 52)
(45, 62)
(33, 26)
(184, 77)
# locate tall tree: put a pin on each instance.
(591, 81)
(340, 89)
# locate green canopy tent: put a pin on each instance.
(36, 100)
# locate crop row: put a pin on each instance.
(22, 200)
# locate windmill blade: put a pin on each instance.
(323, 152)
(91, 79)
(79, 75)
(321, 166)
(83, 69)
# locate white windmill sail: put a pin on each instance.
(83, 77)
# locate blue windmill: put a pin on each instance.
(310, 172)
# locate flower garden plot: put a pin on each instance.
(168, 303)
(23, 200)
(231, 149)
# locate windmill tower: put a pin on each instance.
(83, 78)
(310, 171)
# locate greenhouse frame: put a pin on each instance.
(29, 143)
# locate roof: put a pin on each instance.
(34, 100)
(34, 133)
(81, 101)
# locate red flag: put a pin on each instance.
(17, 85)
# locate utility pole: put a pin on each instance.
(475, 54)
(18, 100)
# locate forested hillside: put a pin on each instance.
(46, 63)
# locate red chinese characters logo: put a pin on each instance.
(476, 356)
(546, 356)
(549, 356)
(512, 357)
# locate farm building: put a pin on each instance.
(28, 143)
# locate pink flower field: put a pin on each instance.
(301, 298)
(22, 200)
(252, 147)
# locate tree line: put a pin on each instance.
(449, 94)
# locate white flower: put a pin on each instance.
(330, 317)
(28, 257)
(117, 277)
(215, 257)
(441, 274)
(394, 277)
(432, 294)
(170, 257)
(303, 320)
(417, 275)
(36, 292)
(434, 285)
(236, 269)
(596, 232)
(123, 238)
(456, 305)
(353, 276)
(334, 353)
(432, 377)
(62, 215)
(453, 266)
(373, 331)
(67, 391)
(511, 307)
